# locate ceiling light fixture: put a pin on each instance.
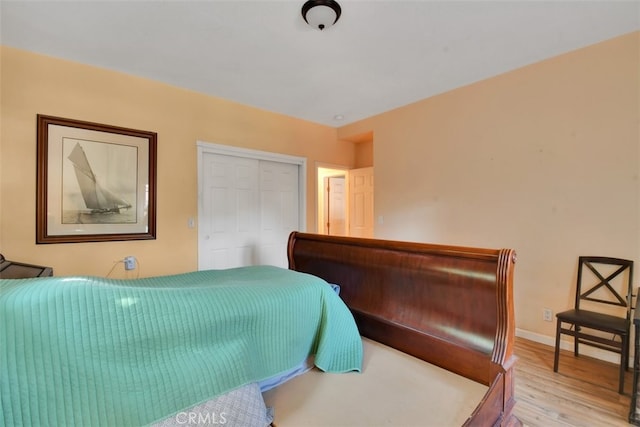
(321, 14)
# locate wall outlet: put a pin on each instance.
(129, 263)
(547, 314)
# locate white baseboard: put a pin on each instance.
(568, 345)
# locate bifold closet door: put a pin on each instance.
(279, 210)
(248, 209)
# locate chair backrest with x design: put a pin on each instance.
(609, 284)
(603, 294)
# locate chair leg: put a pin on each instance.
(626, 353)
(557, 352)
(623, 362)
(576, 340)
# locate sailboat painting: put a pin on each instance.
(95, 182)
(99, 182)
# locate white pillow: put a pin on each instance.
(243, 407)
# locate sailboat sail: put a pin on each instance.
(96, 197)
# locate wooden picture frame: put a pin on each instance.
(95, 182)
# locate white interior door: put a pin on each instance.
(361, 202)
(249, 203)
(229, 219)
(336, 196)
(278, 210)
(323, 173)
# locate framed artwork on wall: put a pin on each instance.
(95, 182)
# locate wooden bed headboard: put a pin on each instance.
(450, 306)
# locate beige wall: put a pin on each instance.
(543, 159)
(363, 148)
(363, 155)
(34, 84)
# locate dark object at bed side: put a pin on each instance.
(20, 270)
(450, 306)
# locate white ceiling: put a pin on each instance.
(379, 56)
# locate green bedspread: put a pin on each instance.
(93, 351)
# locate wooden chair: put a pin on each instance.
(614, 329)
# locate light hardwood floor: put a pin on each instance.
(584, 392)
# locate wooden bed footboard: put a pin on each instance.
(447, 305)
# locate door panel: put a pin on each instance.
(361, 202)
(228, 225)
(336, 206)
(279, 210)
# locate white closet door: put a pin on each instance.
(248, 208)
(278, 210)
(230, 214)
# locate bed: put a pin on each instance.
(413, 303)
(172, 350)
(418, 335)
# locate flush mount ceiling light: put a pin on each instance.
(321, 14)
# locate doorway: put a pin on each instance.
(335, 198)
(344, 201)
(332, 215)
